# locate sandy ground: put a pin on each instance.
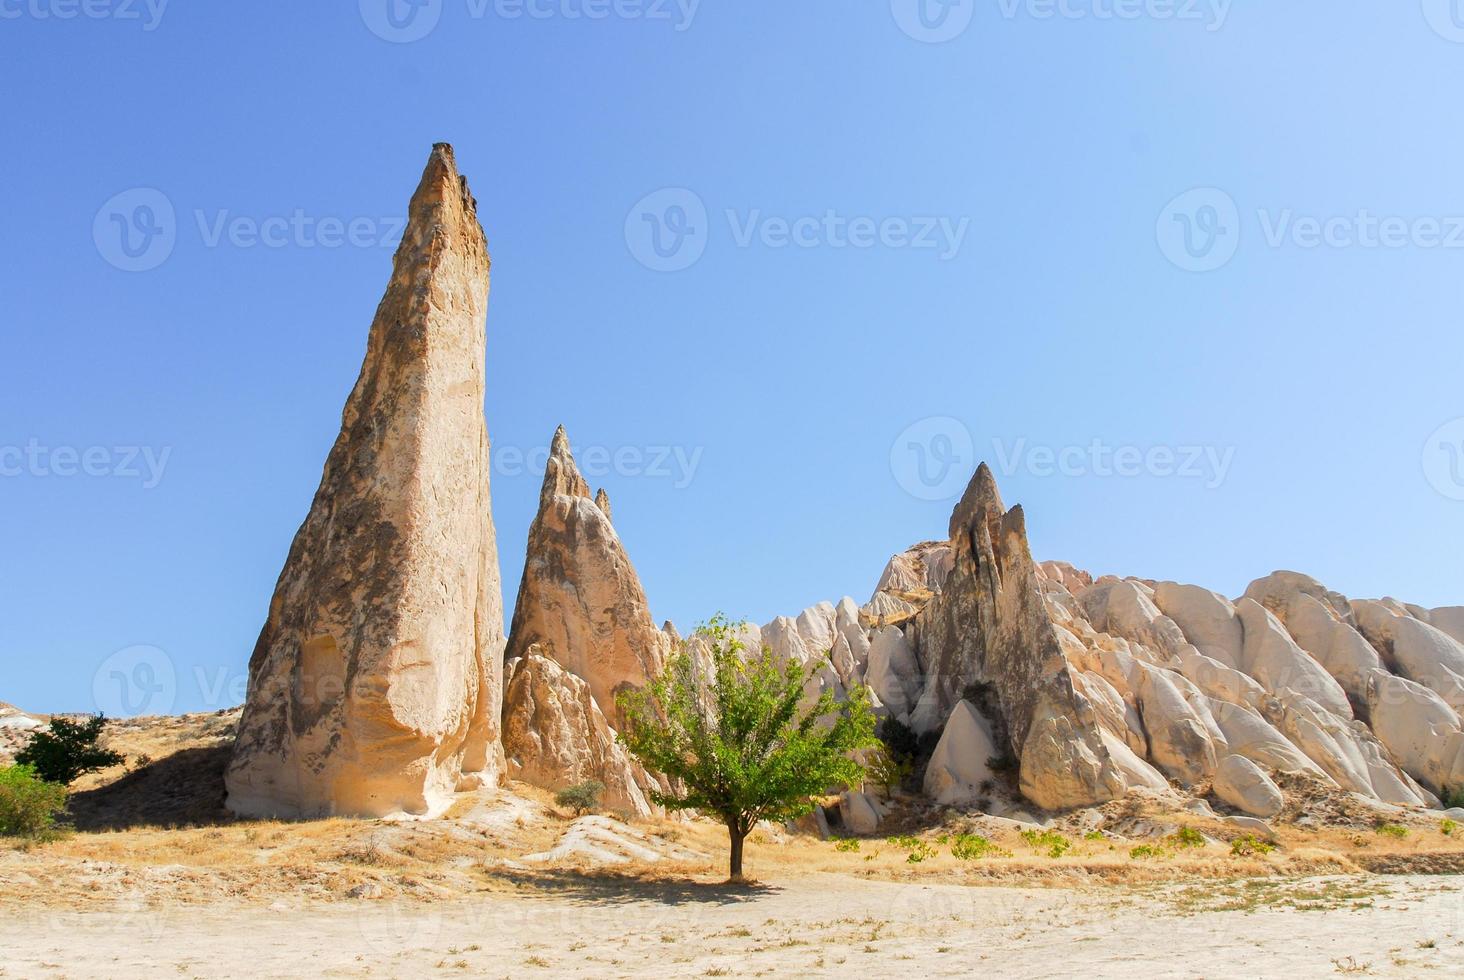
(812, 925)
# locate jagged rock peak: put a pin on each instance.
(561, 476)
(602, 501)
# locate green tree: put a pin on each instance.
(737, 742)
(68, 750)
(581, 797)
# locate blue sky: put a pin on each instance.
(912, 256)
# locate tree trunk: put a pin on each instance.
(737, 836)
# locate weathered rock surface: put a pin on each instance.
(374, 688)
(959, 770)
(556, 736)
(1242, 784)
(580, 600)
(582, 632)
(989, 625)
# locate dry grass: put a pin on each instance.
(157, 834)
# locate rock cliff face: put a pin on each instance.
(374, 688)
(582, 631)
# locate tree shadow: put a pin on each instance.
(185, 789)
(600, 887)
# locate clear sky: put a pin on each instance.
(1188, 275)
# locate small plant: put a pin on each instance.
(920, 853)
(1249, 845)
(1187, 837)
(30, 807)
(1147, 852)
(1393, 830)
(1447, 827)
(846, 844)
(68, 750)
(1452, 797)
(581, 797)
(974, 847)
(1050, 841)
(1094, 835)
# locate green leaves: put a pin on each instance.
(735, 733)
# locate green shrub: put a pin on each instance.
(68, 750)
(1147, 852)
(1451, 797)
(1094, 835)
(1186, 837)
(846, 844)
(974, 847)
(1054, 844)
(1392, 830)
(29, 806)
(581, 797)
(1249, 845)
(1447, 827)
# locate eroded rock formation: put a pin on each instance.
(374, 688)
(581, 608)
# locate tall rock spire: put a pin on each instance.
(376, 686)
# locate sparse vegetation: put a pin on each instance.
(1050, 842)
(30, 807)
(68, 750)
(1148, 852)
(1452, 797)
(581, 797)
(1249, 845)
(974, 847)
(846, 845)
(1447, 827)
(1393, 830)
(1187, 837)
(740, 742)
